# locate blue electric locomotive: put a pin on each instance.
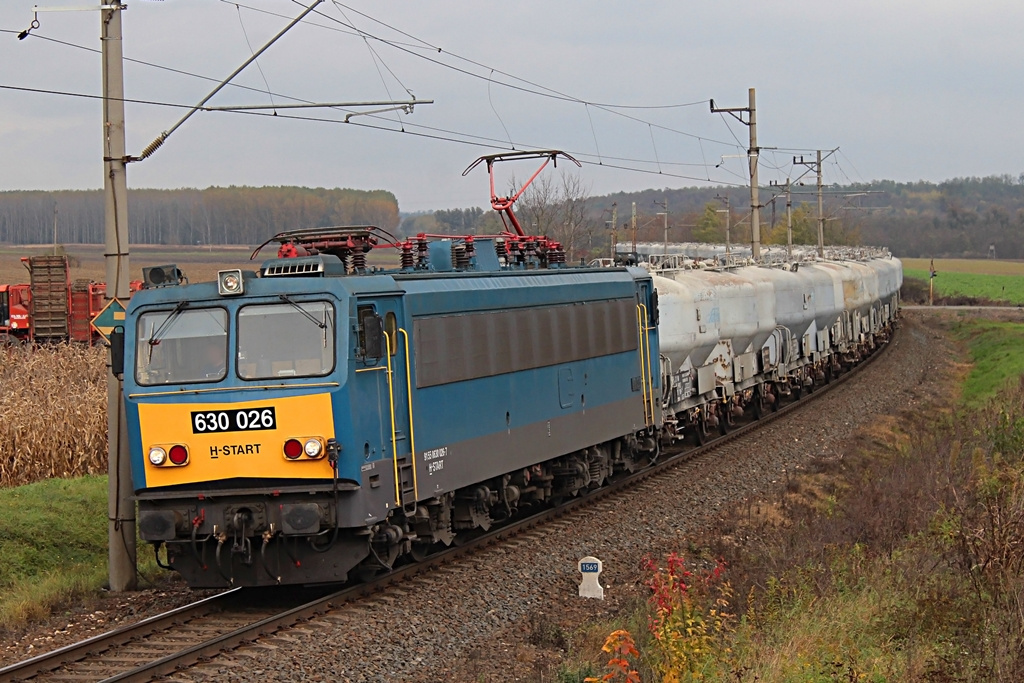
(319, 419)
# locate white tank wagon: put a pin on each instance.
(658, 255)
(744, 336)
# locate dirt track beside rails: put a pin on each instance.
(505, 613)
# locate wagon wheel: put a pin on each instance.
(724, 422)
(700, 430)
(758, 403)
(798, 391)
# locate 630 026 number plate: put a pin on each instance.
(240, 420)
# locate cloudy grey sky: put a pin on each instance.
(909, 90)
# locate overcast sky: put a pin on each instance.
(908, 90)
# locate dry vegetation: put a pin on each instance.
(53, 417)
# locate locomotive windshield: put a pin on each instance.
(183, 345)
(292, 339)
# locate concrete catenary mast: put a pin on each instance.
(752, 154)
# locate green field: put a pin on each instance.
(995, 288)
(963, 265)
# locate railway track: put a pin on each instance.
(182, 637)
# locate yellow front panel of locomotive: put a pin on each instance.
(227, 454)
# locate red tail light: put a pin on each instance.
(292, 449)
(178, 455)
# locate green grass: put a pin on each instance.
(1000, 288)
(53, 545)
(962, 265)
(997, 354)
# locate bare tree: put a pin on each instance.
(537, 208)
(556, 209)
(573, 224)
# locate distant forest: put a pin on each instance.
(216, 215)
(963, 217)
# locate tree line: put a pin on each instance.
(962, 217)
(215, 215)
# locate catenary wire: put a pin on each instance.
(317, 119)
(552, 95)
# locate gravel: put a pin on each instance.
(95, 615)
(503, 613)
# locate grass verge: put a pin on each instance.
(997, 355)
(53, 546)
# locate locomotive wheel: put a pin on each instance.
(421, 551)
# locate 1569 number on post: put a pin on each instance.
(238, 420)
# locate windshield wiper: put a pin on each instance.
(303, 311)
(165, 326)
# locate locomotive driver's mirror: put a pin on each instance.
(374, 331)
(117, 351)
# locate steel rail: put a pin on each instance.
(68, 654)
(227, 641)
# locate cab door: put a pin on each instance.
(382, 381)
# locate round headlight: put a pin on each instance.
(313, 448)
(14, 325)
(157, 455)
(231, 283)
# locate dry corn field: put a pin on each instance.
(53, 413)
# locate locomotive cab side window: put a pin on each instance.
(293, 339)
(370, 332)
(391, 327)
(181, 345)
